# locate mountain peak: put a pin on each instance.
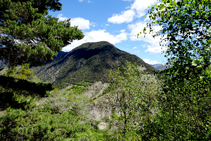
(89, 62)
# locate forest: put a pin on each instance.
(173, 108)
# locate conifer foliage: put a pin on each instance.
(41, 35)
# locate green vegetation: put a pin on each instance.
(130, 95)
(89, 62)
(83, 84)
(176, 108)
(62, 115)
(22, 73)
(66, 107)
(29, 24)
(76, 90)
(185, 100)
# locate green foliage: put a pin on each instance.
(28, 20)
(16, 99)
(85, 65)
(114, 116)
(82, 84)
(76, 90)
(184, 103)
(22, 73)
(35, 126)
(91, 100)
(56, 90)
(132, 95)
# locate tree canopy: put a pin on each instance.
(40, 35)
(185, 114)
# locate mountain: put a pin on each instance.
(4, 65)
(159, 66)
(89, 62)
(59, 54)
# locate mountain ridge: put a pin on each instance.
(88, 62)
(159, 66)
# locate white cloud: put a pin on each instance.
(93, 24)
(88, 1)
(122, 36)
(148, 61)
(80, 22)
(107, 25)
(154, 46)
(126, 16)
(141, 7)
(128, 7)
(96, 36)
(61, 18)
(115, 31)
(134, 47)
(122, 30)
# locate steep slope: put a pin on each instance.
(88, 62)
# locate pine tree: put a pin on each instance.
(28, 22)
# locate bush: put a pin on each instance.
(19, 125)
(76, 90)
(82, 84)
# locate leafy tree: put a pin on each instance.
(23, 72)
(41, 35)
(186, 96)
(134, 99)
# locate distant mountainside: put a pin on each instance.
(88, 62)
(58, 55)
(4, 65)
(159, 66)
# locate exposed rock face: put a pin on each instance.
(90, 62)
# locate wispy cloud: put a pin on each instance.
(96, 36)
(80, 22)
(126, 16)
(88, 1)
(141, 7)
(154, 46)
(148, 61)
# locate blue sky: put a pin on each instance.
(115, 21)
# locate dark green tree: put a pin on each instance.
(41, 35)
(185, 101)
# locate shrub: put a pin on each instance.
(76, 90)
(82, 84)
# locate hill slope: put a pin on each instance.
(88, 62)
